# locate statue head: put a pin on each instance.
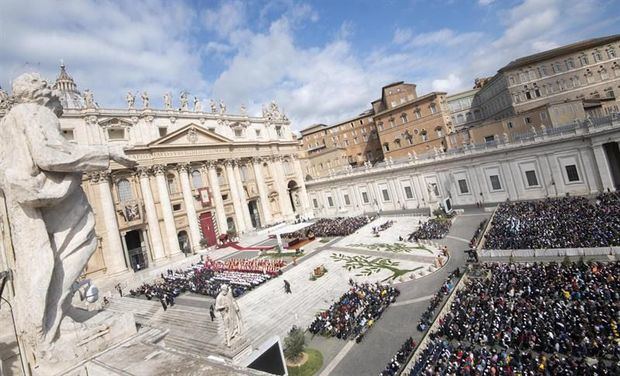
(32, 88)
(224, 290)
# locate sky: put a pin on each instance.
(321, 61)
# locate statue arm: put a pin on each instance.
(51, 152)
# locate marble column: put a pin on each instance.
(303, 193)
(166, 209)
(277, 170)
(218, 203)
(262, 190)
(603, 168)
(151, 215)
(114, 255)
(244, 202)
(234, 195)
(190, 208)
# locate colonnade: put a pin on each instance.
(163, 241)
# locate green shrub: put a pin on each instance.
(294, 343)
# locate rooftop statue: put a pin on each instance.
(197, 105)
(89, 101)
(131, 100)
(222, 107)
(213, 106)
(168, 101)
(184, 101)
(145, 100)
(53, 225)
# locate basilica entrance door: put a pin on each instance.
(208, 230)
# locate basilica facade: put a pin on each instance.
(201, 173)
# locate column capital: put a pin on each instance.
(183, 167)
(229, 162)
(159, 169)
(209, 165)
(143, 171)
(257, 160)
(100, 176)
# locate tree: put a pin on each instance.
(294, 343)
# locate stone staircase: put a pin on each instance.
(189, 327)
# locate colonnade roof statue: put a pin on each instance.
(51, 220)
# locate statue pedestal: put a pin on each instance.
(83, 336)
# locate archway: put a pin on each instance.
(293, 194)
(183, 239)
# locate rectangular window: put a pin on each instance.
(176, 207)
(330, 201)
(347, 201)
(315, 203)
(489, 139)
(495, 183)
(386, 194)
(463, 186)
(532, 180)
(116, 133)
(365, 197)
(163, 131)
(571, 172)
(408, 192)
(527, 120)
(510, 124)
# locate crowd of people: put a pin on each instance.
(400, 359)
(530, 319)
(329, 227)
(568, 222)
(427, 316)
(477, 234)
(355, 312)
(262, 266)
(434, 228)
(206, 278)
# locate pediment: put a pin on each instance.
(114, 122)
(190, 135)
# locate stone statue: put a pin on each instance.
(533, 129)
(168, 101)
(184, 101)
(197, 105)
(222, 107)
(145, 100)
(53, 225)
(226, 305)
(89, 101)
(543, 129)
(213, 106)
(131, 100)
(506, 138)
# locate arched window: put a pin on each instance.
(403, 118)
(460, 119)
(603, 73)
(197, 179)
(424, 135)
(439, 131)
(172, 184)
(124, 190)
(288, 168)
(433, 108)
(397, 142)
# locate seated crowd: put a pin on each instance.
(427, 317)
(206, 279)
(568, 222)
(355, 311)
(400, 359)
(434, 228)
(328, 227)
(530, 319)
(263, 266)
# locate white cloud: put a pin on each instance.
(402, 36)
(107, 47)
(448, 84)
(228, 18)
(485, 2)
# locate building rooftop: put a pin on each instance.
(564, 50)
